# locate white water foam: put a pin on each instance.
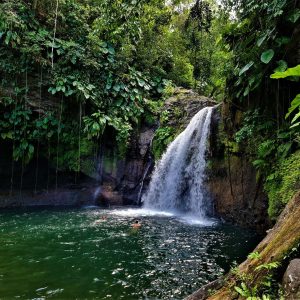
(177, 181)
(142, 212)
(188, 219)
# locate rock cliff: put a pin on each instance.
(237, 195)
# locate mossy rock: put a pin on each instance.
(280, 241)
(283, 183)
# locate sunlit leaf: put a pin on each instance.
(289, 72)
(294, 105)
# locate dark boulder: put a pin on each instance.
(291, 280)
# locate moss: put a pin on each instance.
(209, 164)
(276, 246)
(231, 145)
(282, 184)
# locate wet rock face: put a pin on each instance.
(123, 177)
(231, 183)
(236, 195)
(183, 105)
(39, 185)
(105, 196)
(77, 196)
(291, 280)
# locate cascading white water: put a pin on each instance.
(177, 181)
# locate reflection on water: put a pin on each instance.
(61, 254)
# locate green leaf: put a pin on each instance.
(7, 135)
(246, 68)
(103, 44)
(110, 59)
(240, 291)
(69, 93)
(294, 16)
(254, 255)
(261, 40)
(258, 163)
(104, 50)
(282, 66)
(31, 149)
(160, 89)
(52, 90)
(96, 126)
(295, 125)
(244, 287)
(111, 50)
(119, 102)
(8, 37)
(294, 105)
(297, 116)
(283, 40)
(117, 87)
(246, 91)
(284, 149)
(141, 82)
(289, 72)
(267, 56)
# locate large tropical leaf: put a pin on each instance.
(289, 72)
(267, 56)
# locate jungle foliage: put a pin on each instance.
(263, 39)
(66, 74)
(71, 68)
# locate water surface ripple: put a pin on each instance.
(68, 254)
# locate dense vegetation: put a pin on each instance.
(69, 69)
(262, 119)
(269, 132)
(73, 69)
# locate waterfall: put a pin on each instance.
(177, 181)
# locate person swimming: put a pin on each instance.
(136, 224)
(103, 218)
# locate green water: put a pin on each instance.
(65, 254)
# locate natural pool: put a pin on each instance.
(66, 253)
